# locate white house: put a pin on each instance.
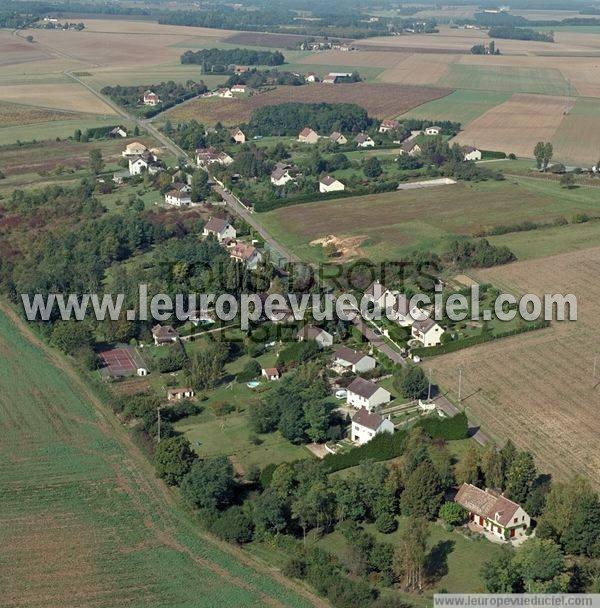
(404, 313)
(281, 176)
(495, 513)
(330, 184)
(137, 165)
(311, 77)
(320, 336)
(135, 148)
(388, 125)
(365, 425)
(427, 331)
(308, 136)
(221, 228)
(271, 373)
(410, 147)
(238, 136)
(174, 394)
(210, 156)
(224, 93)
(433, 130)
(118, 132)
(164, 334)
(151, 99)
(239, 89)
(353, 360)
(363, 393)
(364, 141)
(338, 138)
(247, 254)
(471, 153)
(381, 295)
(177, 198)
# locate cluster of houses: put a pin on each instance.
(231, 92)
(398, 307)
(310, 136)
(326, 46)
(140, 159)
(226, 235)
(211, 156)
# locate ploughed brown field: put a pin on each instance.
(380, 100)
(538, 389)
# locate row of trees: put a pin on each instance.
(220, 60)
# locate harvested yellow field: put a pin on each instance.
(517, 124)
(67, 96)
(419, 69)
(538, 389)
(13, 114)
(374, 59)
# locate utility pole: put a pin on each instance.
(459, 383)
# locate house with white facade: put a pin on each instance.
(247, 254)
(379, 294)
(367, 394)
(492, 512)
(281, 175)
(175, 394)
(308, 136)
(338, 138)
(433, 130)
(365, 425)
(427, 331)
(388, 125)
(177, 198)
(309, 332)
(238, 136)
(151, 99)
(135, 148)
(220, 228)
(330, 184)
(471, 153)
(353, 360)
(363, 140)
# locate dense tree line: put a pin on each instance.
(219, 60)
(290, 118)
(520, 33)
(477, 253)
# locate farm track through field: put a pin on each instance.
(159, 511)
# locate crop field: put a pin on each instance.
(576, 139)
(264, 39)
(417, 68)
(544, 81)
(373, 58)
(395, 223)
(460, 106)
(538, 389)
(83, 520)
(12, 114)
(517, 124)
(380, 100)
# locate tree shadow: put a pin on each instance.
(436, 565)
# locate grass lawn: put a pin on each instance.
(461, 106)
(393, 224)
(454, 559)
(505, 79)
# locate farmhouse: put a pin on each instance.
(330, 184)
(135, 148)
(427, 331)
(174, 394)
(311, 77)
(493, 512)
(411, 148)
(365, 425)
(320, 336)
(238, 136)
(164, 334)
(404, 314)
(471, 153)
(364, 141)
(177, 198)
(224, 93)
(333, 77)
(337, 138)
(433, 130)
(281, 175)
(308, 136)
(145, 162)
(221, 228)
(388, 125)
(353, 360)
(271, 373)
(151, 99)
(363, 393)
(247, 254)
(239, 89)
(211, 156)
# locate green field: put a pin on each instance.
(459, 106)
(506, 79)
(84, 522)
(395, 223)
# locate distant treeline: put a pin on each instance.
(220, 60)
(520, 33)
(290, 118)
